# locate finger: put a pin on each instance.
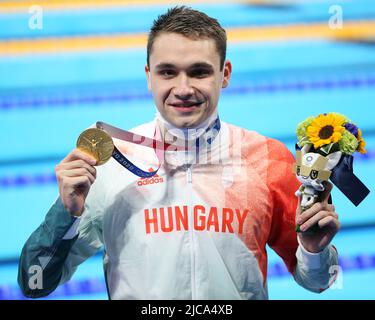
(315, 219)
(77, 154)
(77, 164)
(306, 215)
(319, 206)
(78, 173)
(329, 221)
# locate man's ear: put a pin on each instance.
(227, 73)
(148, 76)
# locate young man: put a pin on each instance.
(199, 229)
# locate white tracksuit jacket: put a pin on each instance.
(193, 231)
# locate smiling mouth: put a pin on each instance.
(186, 105)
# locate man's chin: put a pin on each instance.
(185, 121)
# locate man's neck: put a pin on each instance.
(185, 133)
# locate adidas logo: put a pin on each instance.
(154, 180)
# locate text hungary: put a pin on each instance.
(177, 219)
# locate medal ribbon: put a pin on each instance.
(348, 183)
(158, 145)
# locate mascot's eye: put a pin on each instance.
(314, 174)
(298, 170)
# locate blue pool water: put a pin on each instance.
(46, 100)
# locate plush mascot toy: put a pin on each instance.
(324, 152)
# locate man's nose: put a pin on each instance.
(183, 89)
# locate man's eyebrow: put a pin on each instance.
(201, 65)
(164, 66)
(193, 66)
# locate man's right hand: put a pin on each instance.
(75, 174)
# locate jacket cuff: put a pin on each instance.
(57, 223)
(312, 260)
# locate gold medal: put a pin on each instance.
(97, 143)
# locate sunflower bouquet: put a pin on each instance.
(331, 132)
(325, 147)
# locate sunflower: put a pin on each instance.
(326, 129)
(361, 142)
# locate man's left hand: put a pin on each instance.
(323, 214)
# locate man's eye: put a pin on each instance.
(200, 73)
(167, 73)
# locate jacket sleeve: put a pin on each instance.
(311, 271)
(48, 260)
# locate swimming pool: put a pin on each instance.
(48, 97)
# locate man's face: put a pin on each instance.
(185, 78)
